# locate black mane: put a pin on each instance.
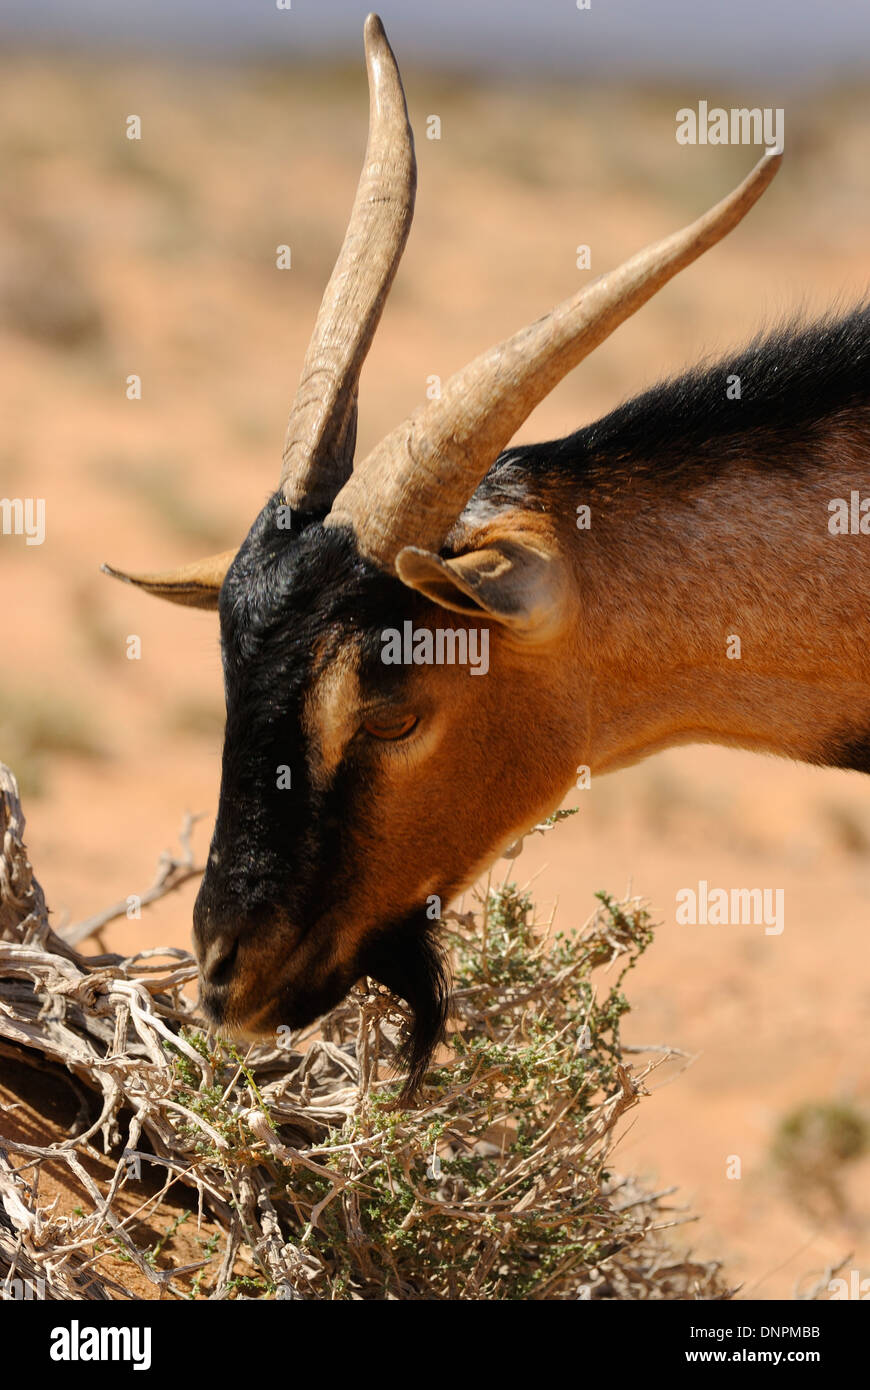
(794, 381)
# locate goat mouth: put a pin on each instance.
(258, 1025)
(213, 1005)
(223, 1009)
(282, 1008)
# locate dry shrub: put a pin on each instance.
(47, 297)
(497, 1184)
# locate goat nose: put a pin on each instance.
(219, 958)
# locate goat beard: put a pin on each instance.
(409, 959)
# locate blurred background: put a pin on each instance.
(156, 257)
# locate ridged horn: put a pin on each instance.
(321, 433)
(413, 485)
(196, 585)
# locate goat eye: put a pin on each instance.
(390, 728)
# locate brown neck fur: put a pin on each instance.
(663, 584)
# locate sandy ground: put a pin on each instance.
(157, 257)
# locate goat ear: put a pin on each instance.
(196, 585)
(512, 582)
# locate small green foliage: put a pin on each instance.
(495, 1183)
(491, 1188)
(248, 1286)
(153, 1254)
(812, 1147)
(209, 1250)
(820, 1137)
(214, 1104)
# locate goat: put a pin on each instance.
(358, 794)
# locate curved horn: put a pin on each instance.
(196, 585)
(414, 484)
(321, 433)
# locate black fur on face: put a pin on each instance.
(277, 873)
